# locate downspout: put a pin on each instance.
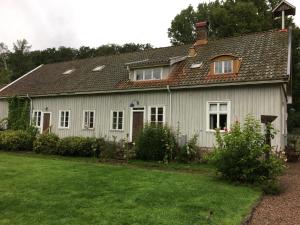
(30, 99)
(170, 105)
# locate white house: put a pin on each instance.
(199, 87)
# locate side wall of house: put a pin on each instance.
(189, 109)
(3, 109)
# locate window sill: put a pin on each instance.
(148, 80)
(88, 129)
(64, 128)
(231, 73)
(214, 131)
(111, 130)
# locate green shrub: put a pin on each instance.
(188, 152)
(116, 150)
(155, 142)
(46, 143)
(16, 140)
(18, 113)
(78, 146)
(240, 154)
(110, 149)
(271, 187)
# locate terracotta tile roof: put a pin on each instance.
(264, 57)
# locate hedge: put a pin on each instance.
(16, 140)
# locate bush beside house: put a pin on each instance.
(241, 155)
(156, 143)
(16, 140)
(46, 143)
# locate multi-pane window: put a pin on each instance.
(64, 118)
(88, 119)
(37, 117)
(218, 115)
(157, 115)
(223, 66)
(148, 74)
(117, 120)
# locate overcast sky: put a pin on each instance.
(73, 23)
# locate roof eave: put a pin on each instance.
(278, 81)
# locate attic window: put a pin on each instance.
(68, 71)
(148, 74)
(98, 68)
(196, 65)
(225, 66)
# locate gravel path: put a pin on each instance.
(283, 209)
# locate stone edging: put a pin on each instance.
(247, 219)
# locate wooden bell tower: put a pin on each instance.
(284, 9)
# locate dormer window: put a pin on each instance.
(68, 71)
(225, 64)
(148, 74)
(222, 67)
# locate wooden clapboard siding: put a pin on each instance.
(188, 110)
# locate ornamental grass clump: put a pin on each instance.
(240, 154)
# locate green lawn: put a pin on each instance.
(48, 190)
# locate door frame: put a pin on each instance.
(42, 121)
(135, 109)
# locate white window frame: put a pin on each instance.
(84, 127)
(218, 112)
(59, 119)
(34, 123)
(223, 66)
(152, 71)
(156, 116)
(111, 120)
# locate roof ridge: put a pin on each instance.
(246, 34)
(165, 47)
(118, 54)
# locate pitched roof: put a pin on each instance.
(264, 57)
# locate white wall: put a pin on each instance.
(3, 109)
(188, 109)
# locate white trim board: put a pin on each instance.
(50, 121)
(59, 119)
(21, 77)
(139, 109)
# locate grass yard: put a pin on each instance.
(48, 190)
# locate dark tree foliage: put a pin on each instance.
(20, 61)
(227, 18)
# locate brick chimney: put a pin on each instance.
(202, 33)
